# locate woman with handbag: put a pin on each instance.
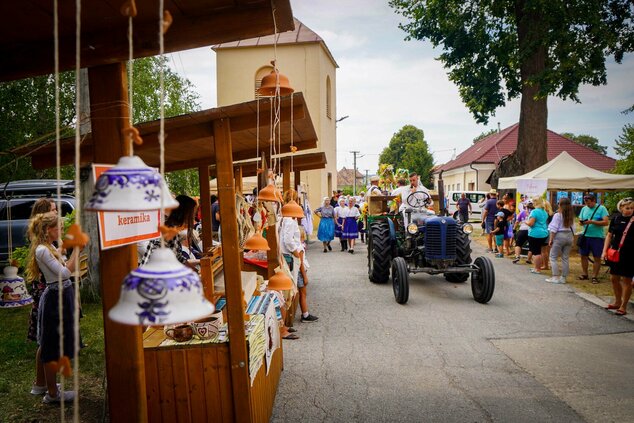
(618, 251)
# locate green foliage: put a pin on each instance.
(20, 255)
(482, 52)
(484, 134)
(408, 149)
(184, 182)
(587, 140)
(625, 165)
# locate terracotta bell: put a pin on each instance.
(292, 209)
(13, 292)
(269, 193)
(162, 292)
(269, 82)
(280, 282)
(131, 186)
(257, 242)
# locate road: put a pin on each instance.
(537, 352)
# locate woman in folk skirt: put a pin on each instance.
(44, 259)
(339, 222)
(326, 231)
(350, 230)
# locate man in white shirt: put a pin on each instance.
(416, 185)
(374, 186)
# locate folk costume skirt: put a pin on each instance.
(326, 231)
(350, 229)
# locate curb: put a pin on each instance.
(598, 301)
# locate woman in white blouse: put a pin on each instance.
(350, 230)
(561, 233)
(45, 260)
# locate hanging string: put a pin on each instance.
(162, 114)
(130, 77)
(60, 285)
(76, 250)
(292, 130)
(9, 232)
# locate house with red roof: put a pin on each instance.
(471, 170)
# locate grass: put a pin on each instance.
(602, 289)
(17, 370)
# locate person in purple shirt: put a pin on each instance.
(488, 217)
(464, 207)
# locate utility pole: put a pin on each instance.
(354, 165)
(366, 177)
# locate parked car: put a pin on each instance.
(477, 199)
(20, 196)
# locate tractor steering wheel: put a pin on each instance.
(418, 199)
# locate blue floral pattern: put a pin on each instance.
(137, 178)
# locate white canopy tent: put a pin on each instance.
(565, 173)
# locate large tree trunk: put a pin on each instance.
(532, 147)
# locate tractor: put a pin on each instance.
(418, 241)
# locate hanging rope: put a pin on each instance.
(162, 112)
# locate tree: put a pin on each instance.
(484, 134)
(27, 113)
(624, 165)
(408, 149)
(499, 50)
(587, 140)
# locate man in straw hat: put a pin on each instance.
(374, 186)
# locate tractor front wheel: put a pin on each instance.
(463, 256)
(400, 280)
(379, 252)
(483, 281)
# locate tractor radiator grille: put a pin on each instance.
(440, 238)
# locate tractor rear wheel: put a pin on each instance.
(483, 281)
(400, 280)
(463, 256)
(379, 252)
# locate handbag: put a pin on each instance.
(581, 239)
(613, 254)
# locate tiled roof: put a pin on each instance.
(301, 34)
(492, 148)
(345, 177)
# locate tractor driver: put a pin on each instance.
(374, 186)
(416, 185)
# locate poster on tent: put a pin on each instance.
(527, 189)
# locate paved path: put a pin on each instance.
(536, 352)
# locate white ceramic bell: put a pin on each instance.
(162, 292)
(131, 185)
(13, 292)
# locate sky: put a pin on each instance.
(384, 83)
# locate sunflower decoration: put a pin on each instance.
(402, 173)
(386, 175)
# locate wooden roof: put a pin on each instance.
(301, 162)
(189, 138)
(27, 43)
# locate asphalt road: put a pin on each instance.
(536, 353)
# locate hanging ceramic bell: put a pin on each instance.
(162, 292)
(269, 82)
(292, 209)
(280, 281)
(269, 193)
(257, 242)
(13, 292)
(132, 186)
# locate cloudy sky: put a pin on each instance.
(384, 82)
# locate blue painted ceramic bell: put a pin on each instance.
(131, 185)
(162, 292)
(13, 292)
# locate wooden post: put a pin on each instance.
(231, 264)
(297, 179)
(238, 178)
(286, 175)
(205, 205)
(125, 367)
(273, 254)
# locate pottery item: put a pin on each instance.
(13, 292)
(179, 333)
(206, 328)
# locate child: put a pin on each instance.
(499, 231)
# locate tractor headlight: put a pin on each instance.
(412, 228)
(467, 228)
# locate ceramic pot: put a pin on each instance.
(179, 333)
(162, 292)
(206, 328)
(13, 292)
(131, 185)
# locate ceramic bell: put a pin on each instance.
(162, 292)
(292, 209)
(13, 292)
(270, 83)
(131, 185)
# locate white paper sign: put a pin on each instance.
(123, 228)
(527, 189)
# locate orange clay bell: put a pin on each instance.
(75, 237)
(63, 366)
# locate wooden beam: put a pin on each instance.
(125, 367)
(237, 175)
(201, 27)
(205, 206)
(232, 268)
(297, 178)
(286, 175)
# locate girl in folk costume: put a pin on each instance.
(326, 231)
(339, 223)
(350, 231)
(45, 260)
